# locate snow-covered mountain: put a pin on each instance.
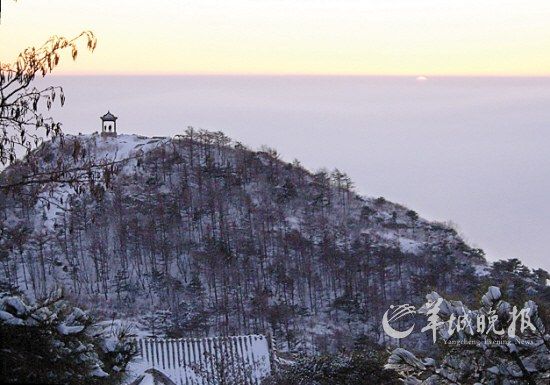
(201, 236)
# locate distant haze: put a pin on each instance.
(471, 150)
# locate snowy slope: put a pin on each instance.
(224, 240)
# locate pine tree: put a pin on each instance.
(53, 342)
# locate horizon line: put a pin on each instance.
(269, 74)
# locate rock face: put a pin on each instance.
(223, 239)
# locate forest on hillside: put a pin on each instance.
(202, 236)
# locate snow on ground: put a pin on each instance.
(410, 246)
(125, 146)
(406, 245)
(481, 270)
(293, 222)
(52, 203)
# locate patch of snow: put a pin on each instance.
(109, 344)
(66, 330)
(482, 271)
(293, 222)
(98, 372)
(9, 319)
(16, 304)
(410, 246)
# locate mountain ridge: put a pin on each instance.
(214, 238)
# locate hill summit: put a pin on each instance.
(213, 238)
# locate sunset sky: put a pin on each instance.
(355, 37)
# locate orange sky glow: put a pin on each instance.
(346, 37)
